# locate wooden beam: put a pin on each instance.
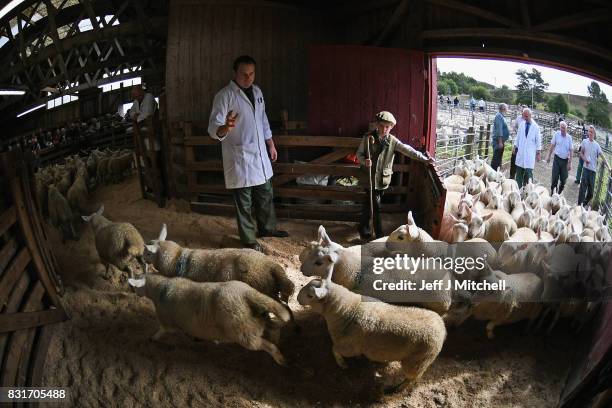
(575, 20)
(7, 219)
(466, 8)
(399, 14)
(14, 270)
(525, 14)
(509, 34)
(7, 253)
(283, 140)
(325, 159)
(24, 320)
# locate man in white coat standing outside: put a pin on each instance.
(238, 119)
(528, 147)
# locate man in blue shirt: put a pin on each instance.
(590, 152)
(585, 135)
(499, 136)
(562, 145)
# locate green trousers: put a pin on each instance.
(254, 202)
(523, 175)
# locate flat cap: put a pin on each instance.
(385, 116)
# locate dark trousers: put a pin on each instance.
(523, 176)
(259, 199)
(513, 164)
(559, 174)
(498, 154)
(587, 186)
(364, 225)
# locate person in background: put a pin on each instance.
(482, 105)
(562, 146)
(448, 100)
(517, 122)
(499, 136)
(456, 101)
(238, 120)
(383, 146)
(528, 146)
(590, 152)
(585, 135)
(472, 103)
(144, 104)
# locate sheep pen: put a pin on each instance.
(106, 357)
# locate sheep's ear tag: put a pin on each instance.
(152, 248)
(320, 293)
(86, 218)
(163, 233)
(136, 283)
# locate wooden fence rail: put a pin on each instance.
(206, 191)
(29, 286)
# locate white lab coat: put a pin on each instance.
(245, 156)
(527, 146)
(141, 111)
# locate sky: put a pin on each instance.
(500, 73)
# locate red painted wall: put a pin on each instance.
(348, 85)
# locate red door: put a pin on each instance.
(350, 84)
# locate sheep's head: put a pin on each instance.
(602, 234)
(316, 259)
(152, 250)
(496, 202)
(314, 294)
(513, 198)
(88, 218)
(460, 231)
(472, 185)
(527, 219)
(404, 234)
(533, 200)
(466, 203)
(558, 231)
(477, 224)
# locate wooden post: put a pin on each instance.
(487, 140)
(469, 143)
(596, 198)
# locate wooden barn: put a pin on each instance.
(106, 115)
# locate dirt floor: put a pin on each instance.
(104, 354)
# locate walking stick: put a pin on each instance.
(370, 140)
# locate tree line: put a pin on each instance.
(531, 91)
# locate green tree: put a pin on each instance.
(597, 107)
(503, 94)
(558, 104)
(578, 113)
(530, 85)
(443, 87)
(480, 92)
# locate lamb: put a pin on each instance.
(61, 214)
(474, 185)
(412, 240)
(117, 243)
(509, 185)
(228, 312)
(518, 302)
(219, 265)
(492, 226)
(379, 331)
(77, 195)
(119, 165)
(512, 252)
(348, 273)
(556, 201)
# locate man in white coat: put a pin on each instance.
(238, 119)
(528, 147)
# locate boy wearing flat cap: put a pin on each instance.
(382, 147)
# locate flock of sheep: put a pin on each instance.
(241, 296)
(62, 190)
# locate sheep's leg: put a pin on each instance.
(259, 343)
(554, 322)
(340, 360)
(161, 331)
(490, 328)
(542, 318)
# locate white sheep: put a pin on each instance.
(219, 265)
(60, 213)
(412, 240)
(227, 312)
(117, 243)
(348, 272)
(376, 330)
